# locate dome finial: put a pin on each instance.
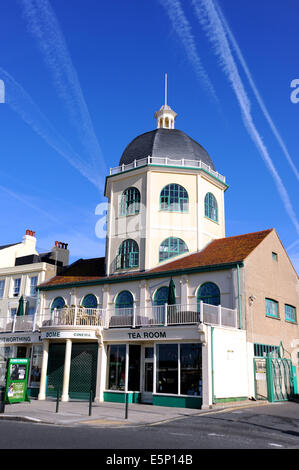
(166, 89)
(165, 116)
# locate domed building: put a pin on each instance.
(176, 313)
(166, 199)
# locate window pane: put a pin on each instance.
(57, 303)
(116, 368)
(209, 293)
(33, 284)
(134, 368)
(211, 207)
(191, 370)
(290, 313)
(90, 301)
(16, 287)
(174, 197)
(36, 366)
(167, 368)
(271, 308)
(172, 247)
(2, 284)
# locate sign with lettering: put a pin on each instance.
(21, 338)
(16, 380)
(67, 334)
(153, 334)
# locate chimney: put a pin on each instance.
(29, 240)
(60, 253)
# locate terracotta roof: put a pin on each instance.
(219, 252)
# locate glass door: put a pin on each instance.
(148, 374)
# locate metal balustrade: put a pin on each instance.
(152, 316)
(165, 161)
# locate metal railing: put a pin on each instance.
(71, 316)
(164, 315)
(165, 161)
(159, 315)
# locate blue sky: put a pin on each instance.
(83, 78)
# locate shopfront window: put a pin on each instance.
(167, 368)
(134, 367)
(36, 365)
(191, 373)
(116, 367)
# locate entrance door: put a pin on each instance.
(148, 375)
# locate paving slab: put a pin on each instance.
(105, 414)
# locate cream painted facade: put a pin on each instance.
(152, 225)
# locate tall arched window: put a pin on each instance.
(209, 293)
(170, 247)
(128, 255)
(161, 296)
(57, 303)
(130, 202)
(90, 301)
(124, 300)
(211, 207)
(174, 198)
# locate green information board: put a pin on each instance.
(16, 380)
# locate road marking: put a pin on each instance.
(274, 445)
(214, 434)
(179, 434)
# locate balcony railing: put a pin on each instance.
(161, 315)
(167, 162)
(71, 316)
(165, 315)
(17, 323)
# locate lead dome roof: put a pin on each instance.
(171, 143)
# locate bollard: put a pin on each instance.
(90, 401)
(127, 405)
(57, 400)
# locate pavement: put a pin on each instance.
(107, 414)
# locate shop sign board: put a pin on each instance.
(16, 380)
(66, 334)
(153, 334)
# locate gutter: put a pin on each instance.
(239, 296)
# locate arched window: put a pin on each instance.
(124, 300)
(130, 202)
(161, 296)
(90, 301)
(211, 207)
(174, 198)
(171, 247)
(57, 303)
(209, 293)
(128, 255)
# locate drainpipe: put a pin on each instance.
(212, 363)
(239, 298)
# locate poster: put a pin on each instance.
(16, 380)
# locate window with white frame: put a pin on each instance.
(33, 284)
(16, 287)
(2, 285)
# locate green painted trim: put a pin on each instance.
(269, 377)
(114, 279)
(120, 397)
(177, 401)
(239, 298)
(225, 400)
(212, 363)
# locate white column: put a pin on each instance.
(101, 373)
(43, 379)
(66, 373)
(206, 367)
